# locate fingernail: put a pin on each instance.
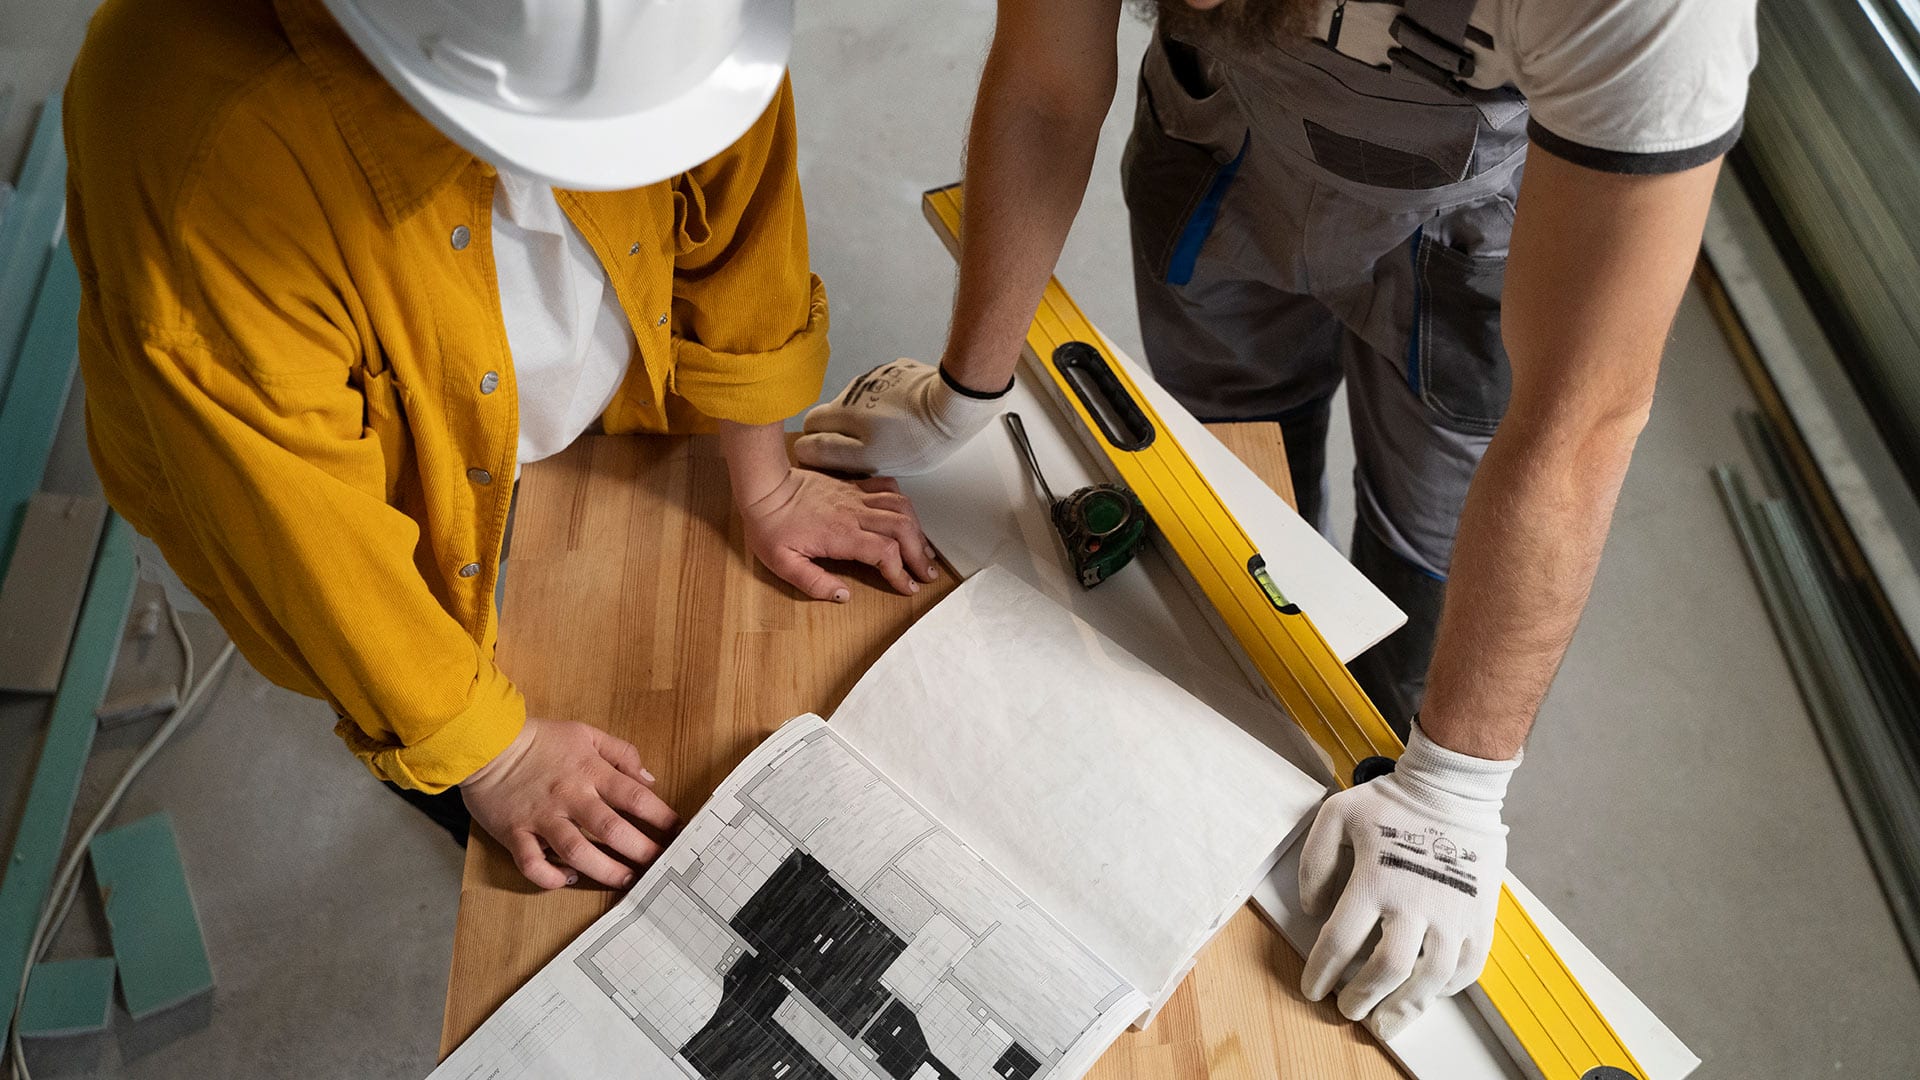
(573, 879)
(933, 572)
(840, 596)
(630, 879)
(930, 553)
(647, 776)
(913, 586)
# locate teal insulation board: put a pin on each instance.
(150, 917)
(27, 232)
(30, 416)
(68, 997)
(63, 753)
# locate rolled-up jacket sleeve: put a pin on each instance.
(750, 318)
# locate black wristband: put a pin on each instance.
(966, 391)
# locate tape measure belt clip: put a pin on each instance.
(1102, 525)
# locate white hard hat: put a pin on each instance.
(594, 95)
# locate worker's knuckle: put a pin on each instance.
(574, 848)
(1397, 964)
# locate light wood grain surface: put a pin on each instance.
(632, 604)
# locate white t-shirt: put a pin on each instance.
(570, 339)
(1643, 86)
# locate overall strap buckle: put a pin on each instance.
(1431, 37)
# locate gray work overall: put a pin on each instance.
(1299, 216)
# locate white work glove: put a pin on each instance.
(896, 420)
(1429, 853)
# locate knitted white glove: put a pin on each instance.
(1429, 853)
(896, 420)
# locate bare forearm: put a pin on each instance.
(756, 459)
(1529, 544)
(1597, 268)
(1030, 149)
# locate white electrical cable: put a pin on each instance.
(68, 889)
(67, 884)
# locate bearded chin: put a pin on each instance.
(1244, 22)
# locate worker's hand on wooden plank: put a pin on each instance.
(564, 798)
(796, 516)
(1429, 852)
(898, 419)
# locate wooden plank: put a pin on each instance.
(150, 917)
(30, 417)
(27, 232)
(46, 580)
(634, 605)
(68, 997)
(63, 754)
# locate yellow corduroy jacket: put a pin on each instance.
(298, 383)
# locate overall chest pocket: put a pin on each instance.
(1372, 127)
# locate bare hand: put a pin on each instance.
(814, 516)
(562, 792)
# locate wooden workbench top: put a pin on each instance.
(632, 604)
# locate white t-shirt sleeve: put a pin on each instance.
(1634, 86)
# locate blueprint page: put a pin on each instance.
(1127, 808)
(812, 922)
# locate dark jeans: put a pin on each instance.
(446, 809)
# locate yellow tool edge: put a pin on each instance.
(1549, 1014)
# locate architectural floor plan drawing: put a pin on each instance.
(824, 928)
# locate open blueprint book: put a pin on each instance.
(1007, 847)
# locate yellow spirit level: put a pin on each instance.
(1555, 1026)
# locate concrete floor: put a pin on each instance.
(1676, 809)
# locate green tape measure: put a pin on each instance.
(1101, 525)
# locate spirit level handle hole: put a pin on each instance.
(1119, 417)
